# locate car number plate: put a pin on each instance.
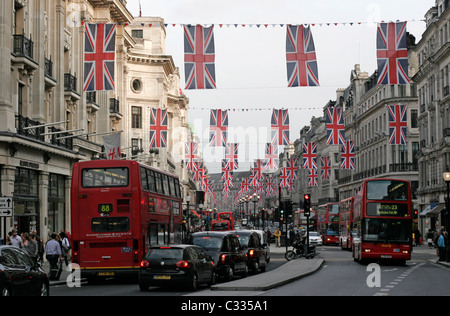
(106, 274)
(161, 277)
(386, 256)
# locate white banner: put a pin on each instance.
(112, 146)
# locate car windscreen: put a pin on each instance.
(165, 254)
(208, 242)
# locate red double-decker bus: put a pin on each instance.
(119, 209)
(346, 231)
(382, 217)
(226, 216)
(328, 223)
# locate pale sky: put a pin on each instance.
(250, 62)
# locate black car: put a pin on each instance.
(20, 275)
(176, 265)
(227, 253)
(258, 253)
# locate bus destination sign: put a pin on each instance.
(387, 209)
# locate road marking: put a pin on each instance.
(384, 291)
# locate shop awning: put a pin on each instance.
(432, 209)
(425, 211)
(436, 210)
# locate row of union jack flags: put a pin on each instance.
(199, 56)
(218, 135)
(301, 59)
(280, 132)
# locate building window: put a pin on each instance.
(137, 33)
(136, 117)
(414, 122)
(136, 85)
(56, 203)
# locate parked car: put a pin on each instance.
(315, 238)
(20, 275)
(258, 253)
(176, 265)
(229, 257)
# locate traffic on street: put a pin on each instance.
(338, 275)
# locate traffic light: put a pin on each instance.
(307, 204)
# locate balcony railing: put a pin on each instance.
(70, 83)
(48, 68)
(114, 106)
(23, 46)
(37, 133)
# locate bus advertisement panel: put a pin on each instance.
(328, 223)
(382, 216)
(119, 209)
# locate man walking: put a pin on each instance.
(53, 252)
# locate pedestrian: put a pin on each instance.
(7, 240)
(32, 248)
(53, 251)
(268, 234)
(417, 236)
(65, 246)
(430, 236)
(40, 243)
(441, 246)
(16, 240)
(278, 237)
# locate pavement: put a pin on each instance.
(287, 272)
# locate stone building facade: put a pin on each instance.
(47, 122)
(432, 80)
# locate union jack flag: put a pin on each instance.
(335, 126)
(99, 56)
(227, 172)
(271, 156)
(326, 168)
(310, 155)
(270, 186)
(199, 57)
(292, 167)
(280, 127)
(158, 128)
(245, 184)
(231, 153)
(257, 172)
(348, 155)
(397, 124)
(218, 128)
(291, 185)
(198, 171)
(392, 53)
(284, 177)
(312, 176)
(301, 58)
(191, 155)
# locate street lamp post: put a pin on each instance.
(446, 176)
